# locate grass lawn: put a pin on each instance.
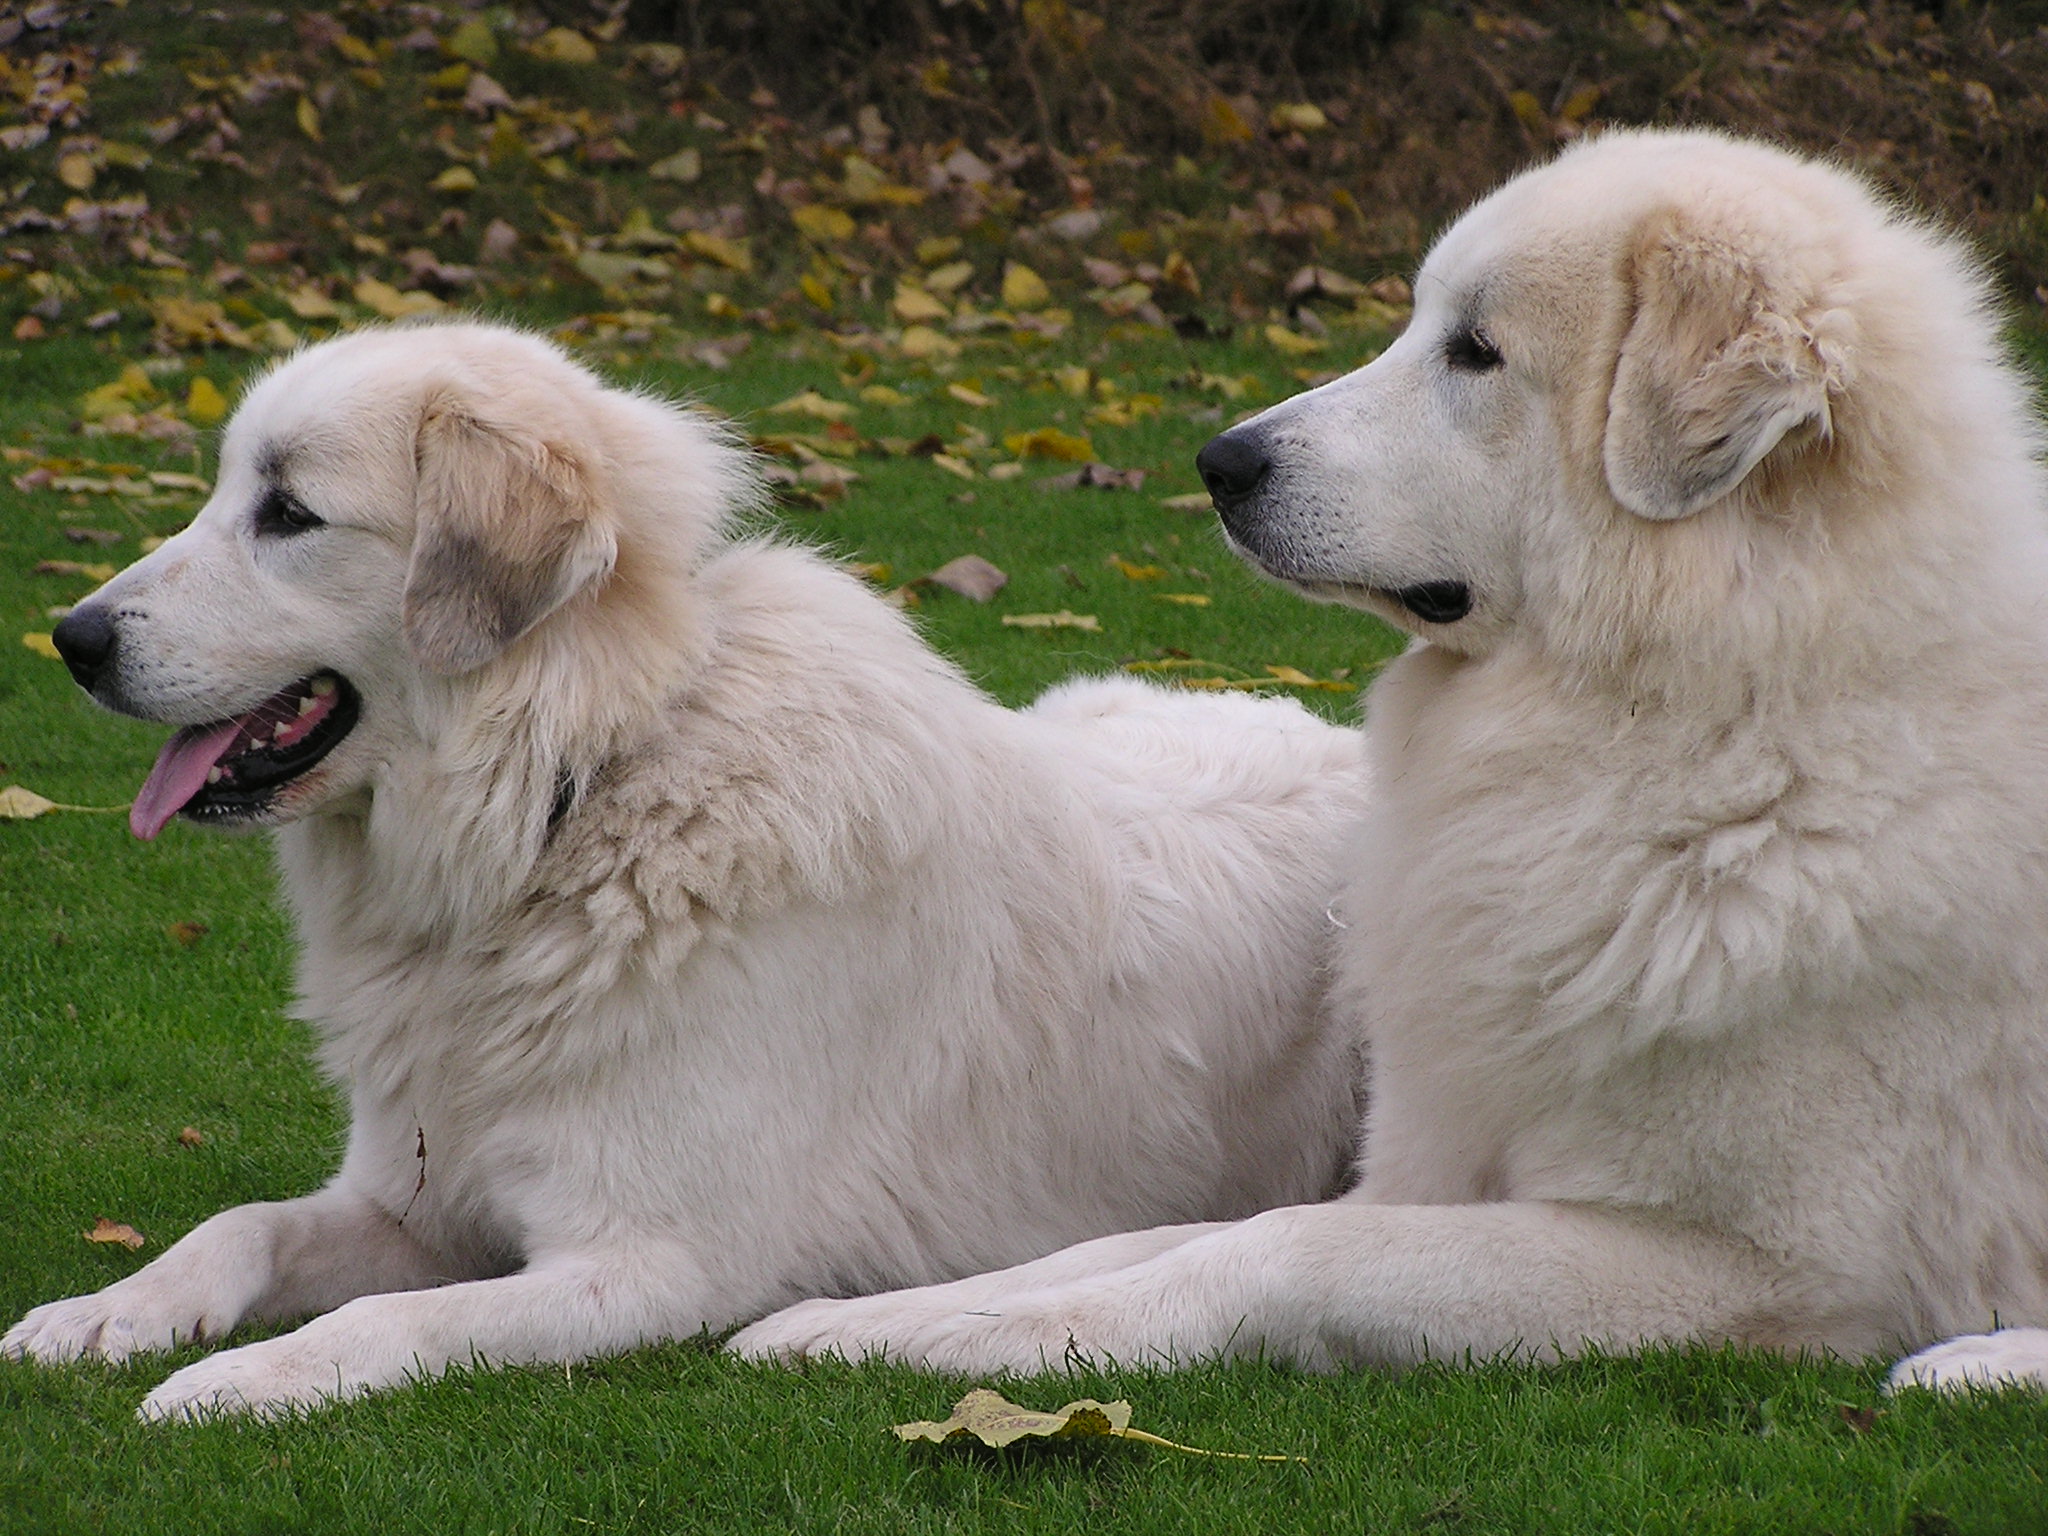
(146, 1000)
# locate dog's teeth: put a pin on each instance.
(214, 775)
(322, 686)
(308, 704)
(278, 732)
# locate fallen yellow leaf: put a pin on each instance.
(1050, 443)
(730, 254)
(456, 179)
(309, 303)
(913, 303)
(1061, 620)
(685, 165)
(1298, 117)
(996, 1422)
(1292, 342)
(563, 45)
(473, 42)
(309, 120)
(387, 301)
(204, 403)
(822, 222)
(41, 644)
(811, 403)
(817, 290)
(19, 804)
(1024, 288)
(1185, 599)
(949, 277)
(921, 343)
(105, 1231)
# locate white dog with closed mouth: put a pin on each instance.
(1700, 919)
(688, 937)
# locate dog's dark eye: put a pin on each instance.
(1469, 351)
(281, 513)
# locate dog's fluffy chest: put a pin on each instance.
(1654, 926)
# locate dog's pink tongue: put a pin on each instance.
(179, 774)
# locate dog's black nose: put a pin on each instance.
(85, 639)
(1233, 466)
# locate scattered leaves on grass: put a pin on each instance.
(996, 1422)
(1193, 501)
(187, 933)
(40, 642)
(106, 1231)
(1061, 620)
(191, 1136)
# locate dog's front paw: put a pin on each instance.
(127, 1318)
(2011, 1357)
(267, 1380)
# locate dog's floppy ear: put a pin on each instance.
(507, 532)
(1714, 372)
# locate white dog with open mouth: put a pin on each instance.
(688, 936)
(1700, 921)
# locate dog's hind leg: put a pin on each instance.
(561, 1309)
(277, 1260)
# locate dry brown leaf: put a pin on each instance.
(996, 1422)
(970, 576)
(106, 1231)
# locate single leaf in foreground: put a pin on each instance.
(105, 1231)
(995, 1421)
(19, 803)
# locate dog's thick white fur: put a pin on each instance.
(688, 937)
(1700, 921)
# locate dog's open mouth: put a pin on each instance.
(231, 769)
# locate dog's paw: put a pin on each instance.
(266, 1380)
(122, 1320)
(2011, 1357)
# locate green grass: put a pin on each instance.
(121, 1028)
